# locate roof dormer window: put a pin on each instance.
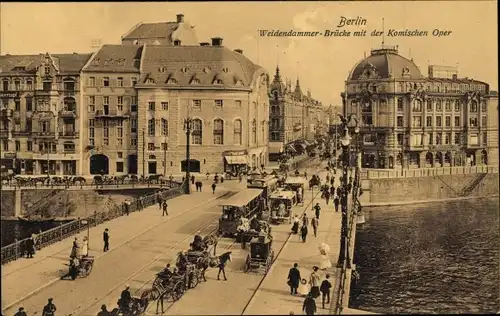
(150, 80)
(239, 83)
(172, 81)
(206, 70)
(226, 70)
(195, 81)
(162, 69)
(184, 69)
(218, 81)
(177, 43)
(96, 61)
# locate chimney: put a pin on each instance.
(205, 44)
(216, 41)
(180, 18)
(239, 51)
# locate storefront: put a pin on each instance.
(235, 161)
(276, 150)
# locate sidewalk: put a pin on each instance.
(45, 268)
(273, 296)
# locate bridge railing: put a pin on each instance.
(426, 172)
(17, 249)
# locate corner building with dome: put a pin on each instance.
(408, 120)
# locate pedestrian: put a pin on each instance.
(295, 226)
(213, 187)
(325, 290)
(336, 202)
(104, 311)
(315, 224)
(327, 196)
(332, 180)
(30, 246)
(303, 289)
(240, 177)
(294, 278)
(201, 185)
(85, 246)
(159, 202)
(314, 282)
(208, 175)
(105, 237)
(305, 174)
(303, 233)
(21, 312)
(171, 178)
(309, 306)
(317, 210)
(327, 178)
(165, 211)
(339, 190)
(325, 263)
(73, 270)
(49, 309)
(125, 298)
(75, 250)
(305, 220)
(192, 179)
(332, 191)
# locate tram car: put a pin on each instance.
(244, 204)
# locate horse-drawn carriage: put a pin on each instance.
(79, 267)
(174, 284)
(261, 253)
(296, 184)
(281, 203)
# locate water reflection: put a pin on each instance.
(429, 258)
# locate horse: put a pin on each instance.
(80, 180)
(204, 263)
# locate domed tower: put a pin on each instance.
(379, 91)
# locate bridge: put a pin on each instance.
(144, 242)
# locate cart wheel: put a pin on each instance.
(193, 280)
(82, 273)
(158, 284)
(88, 267)
(178, 291)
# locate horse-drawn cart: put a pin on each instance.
(86, 265)
(261, 254)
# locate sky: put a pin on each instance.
(322, 63)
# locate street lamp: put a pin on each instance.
(345, 142)
(188, 126)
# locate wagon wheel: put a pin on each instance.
(247, 264)
(158, 284)
(177, 291)
(82, 272)
(193, 279)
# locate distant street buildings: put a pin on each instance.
(412, 121)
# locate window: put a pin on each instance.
(367, 106)
(151, 127)
(29, 85)
(164, 146)
(237, 132)
(151, 146)
(447, 106)
(447, 121)
(457, 139)
(105, 100)
(485, 139)
(400, 105)
(254, 131)
(218, 104)
(119, 129)
(400, 139)
(428, 121)
(47, 70)
(133, 125)
(151, 106)
(5, 145)
(92, 81)
(457, 121)
(431, 138)
(417, 106)
(29, 125)
(105, 132)
(367, 120)
(399, 121)
(69, 147)
(439, 139)
(238, 103)
(119, 166)
(439, 121)
(18, 145)
(417, 121)
(218, 132)
(17, 105)
(483, 106)
(5, 85)
(473, 139)
(119, 104)
(69, 85)
(484, 121)
(473, 107)
(119, 82)
(134, 81)
(447, 138)
(105, 81)
(164, 127)
(164, 106)
(29, 145)
(119, 142)
(17, 85)
(197, 133)
(47, 86)
(457, 105)
(29, 104)
(91, 131)
(197, 104)
(473, 122)
(44, 126)
(133, 104)
(439, 106)
(133, 142)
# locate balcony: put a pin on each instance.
(44, 134)
(110, 114)
(68, 134)
(21, 133)
(67, 114)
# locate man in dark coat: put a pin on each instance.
(125, 299)
(303, 233)
(213, 187)
(30, 245)
(165, 211)
(49, 309)
(317, 210)
(21, 312)
(294, 278)
(325, 290)
(309, 306)
(105, 238)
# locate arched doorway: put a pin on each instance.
(447, 159)
(99, 164)
(152, 164)
(429, 159)
(132, 164)
(194, 165)
(399, 159)
(439, 159)
(484, 157)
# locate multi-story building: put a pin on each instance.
(412, 121)
(294, 117)
(109, 115)
(40, 106)
(221, 91)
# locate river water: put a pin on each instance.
(429, 258)
(12, 229)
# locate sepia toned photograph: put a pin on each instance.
(249, 158)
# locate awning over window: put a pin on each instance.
(275, 147)
(236, 160)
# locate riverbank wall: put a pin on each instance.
(432, 188)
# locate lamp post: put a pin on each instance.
(188, 125)
(345, 142)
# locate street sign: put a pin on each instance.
(9, 155)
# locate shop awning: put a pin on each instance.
(275, 147)
(236, 160)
